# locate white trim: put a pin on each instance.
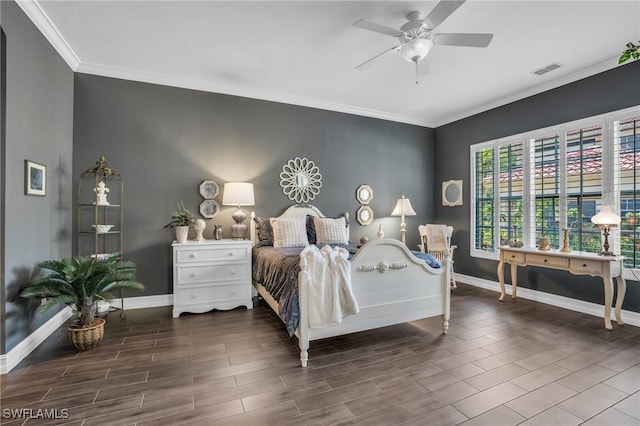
(41, 20)
(144, 302)
(12, 358)
(629, 317)
(246, 92)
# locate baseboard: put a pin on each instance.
(629, 317)
(12, 358)
(144, 301)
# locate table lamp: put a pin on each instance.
(606, 220)
(403, 208)
(238, 194)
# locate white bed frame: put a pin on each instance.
(390, 285)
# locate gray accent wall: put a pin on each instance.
(39, 117)
(609, 91)
(165, 141)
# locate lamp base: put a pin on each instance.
(239, 229)
(606, 253)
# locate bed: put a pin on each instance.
(390, 284)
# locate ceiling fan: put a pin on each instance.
(416, 37)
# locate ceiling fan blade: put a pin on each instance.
(442, 12)
(394, 48)
(372, 26)
(462, 39)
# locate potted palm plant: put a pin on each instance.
(181, 220)
(81, 282)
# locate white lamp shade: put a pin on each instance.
(606, 216)
(238, 194)
(403, 208)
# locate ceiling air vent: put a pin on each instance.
(547, 68)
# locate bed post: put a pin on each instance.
(303, 324)
(446, 288)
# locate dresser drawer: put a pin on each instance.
(212, 254)
(195, 274)
(510, 256)
(213, 293)
(579, 266)
(548, 261)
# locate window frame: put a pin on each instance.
(610, 192)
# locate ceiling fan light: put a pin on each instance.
(415, 50)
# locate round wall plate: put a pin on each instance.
(209, 208)
(209, 189)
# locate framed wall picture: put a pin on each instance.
(35, 178)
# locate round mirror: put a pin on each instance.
(364, 215)
(300, 180)
(452, 193)
(364, 194)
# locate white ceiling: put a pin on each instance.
(305, 52)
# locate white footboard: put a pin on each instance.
(391, 287)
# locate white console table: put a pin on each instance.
(576, 262)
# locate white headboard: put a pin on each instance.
(295, 210)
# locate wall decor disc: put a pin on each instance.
(209, 189)
(209, 209)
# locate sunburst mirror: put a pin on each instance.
(300, 180)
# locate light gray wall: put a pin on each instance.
(609, 91)
(165, 141)
(39, 116)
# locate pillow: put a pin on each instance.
(264, 232)
(331, 231)
(289, 232)
(311, 228)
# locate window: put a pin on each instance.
(628, 182)
(539, 183)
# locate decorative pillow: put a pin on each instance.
(311, 230)
(289, 232)
(331, 231)
(264, 232)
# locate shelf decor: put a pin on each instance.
(99, 221)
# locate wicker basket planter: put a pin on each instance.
(87, 337)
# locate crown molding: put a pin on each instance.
(246, 92)
(40, 19)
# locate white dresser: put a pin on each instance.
(211, 274)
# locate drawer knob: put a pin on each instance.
(513, 256)
(230, 253)
(193, 274)
(233, 292)
(193, 295)
(545, 261)
(193, 255)
(584, 265)
(233, 272)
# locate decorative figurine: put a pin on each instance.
(199, 226)
(565, 241)
(380, 232)
(101, 192)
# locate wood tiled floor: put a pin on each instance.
(513, 363)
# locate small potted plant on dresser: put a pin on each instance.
(81, 282)
(181, 219)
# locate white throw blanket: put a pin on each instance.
(326, 273)
(437, 237)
